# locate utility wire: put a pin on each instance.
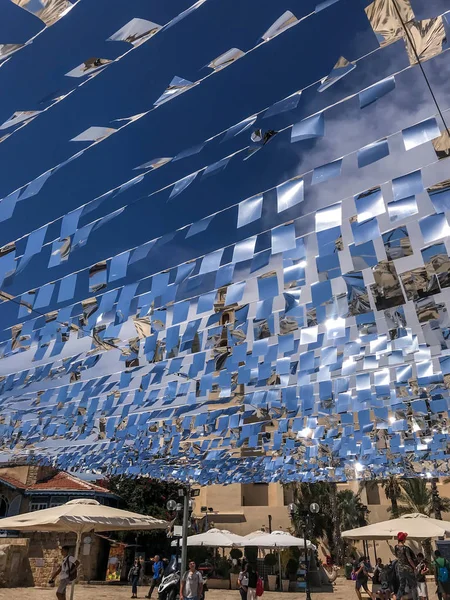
(419, 62)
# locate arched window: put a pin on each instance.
(4, 505)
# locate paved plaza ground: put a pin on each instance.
(344, 590)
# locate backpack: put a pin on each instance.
(259, 587)
(442, 573)
(73, 570)
(376, 576)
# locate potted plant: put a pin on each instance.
(235, 555)
(251, 554)
(291, 570)
(222, 579)
(270, 560)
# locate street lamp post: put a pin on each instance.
(174, 507)
(188, 504)
(314, 508)
(184, 533)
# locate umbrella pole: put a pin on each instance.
(279, 571)
(77, 553)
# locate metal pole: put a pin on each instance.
(375, 550)
(366, 550)
(270, 523)
(185, 532)
(279, 571)
(305, 526)
(77, 553)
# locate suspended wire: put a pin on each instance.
(419, 62)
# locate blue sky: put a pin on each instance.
(296, 60)
(290, 62)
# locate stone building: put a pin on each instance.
(244, 508)
(25, 488)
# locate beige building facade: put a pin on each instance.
(244, 508)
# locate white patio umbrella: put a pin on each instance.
(81, 516)
(254, 534)
(277, 539)
(215, 538)
(416, 525)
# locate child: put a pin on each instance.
(421, 571)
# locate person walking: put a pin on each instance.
(421, 572)
(158, 570)
(376, 576)
(243, 583)
(386, 579)
(362, 578)
(191, 585)
(406, 568)
(252, 577)
(442, 574)
(67, 572)
(133, 577)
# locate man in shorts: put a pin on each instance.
(67, 572)
(362, 578)
(442, 570)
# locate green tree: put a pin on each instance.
(351, 513)
(149, 497)
(143, 495)
(439, 504)
(339, 510)
(392, 491)
(436, 499)
(336, 543)
(304, 495)
(416, 497)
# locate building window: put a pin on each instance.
(288, 495)
(255, 494)
(4, 505)
(58, 500)
(373, 493)
(38, 506)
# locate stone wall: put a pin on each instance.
(14, 565)
(31, 560)
(45, 555)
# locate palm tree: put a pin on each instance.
(339, 510)
(351, 513)
(415, 496)
(306, 493)
(439, 504)
(392, 491)
(436, 499)
(336, 542)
